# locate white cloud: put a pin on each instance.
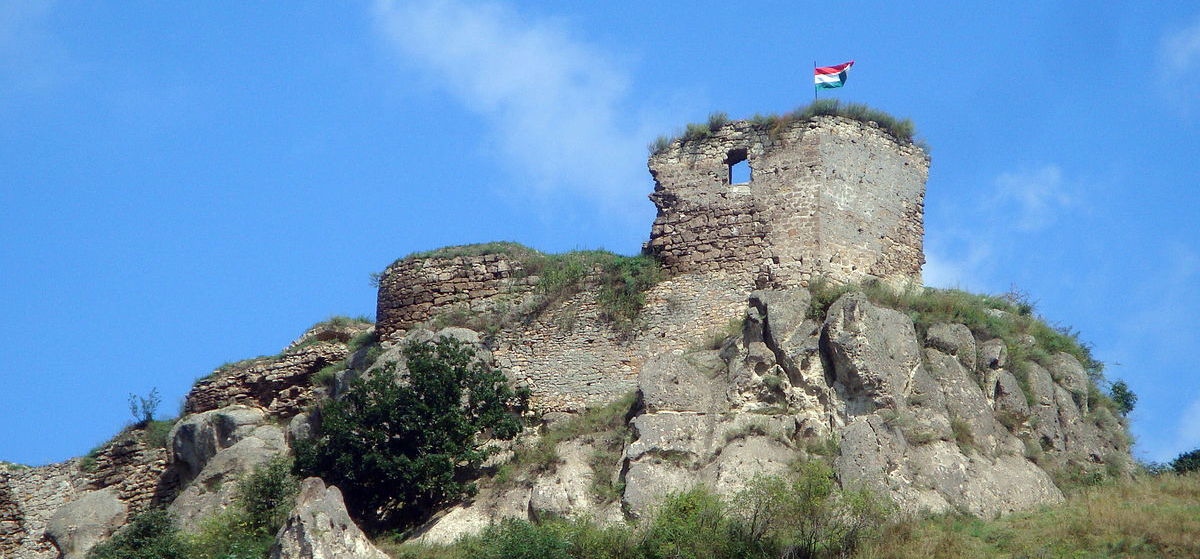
(554, 104)
(1181, 49)
(960, 269)
(1035, 195)
(1179, 53)
(31, 58)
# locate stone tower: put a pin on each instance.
(830, 196)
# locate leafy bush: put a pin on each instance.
(518, 539)
(150, 535)
(397, 449)
(1187, 462)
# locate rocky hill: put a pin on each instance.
(769, 323)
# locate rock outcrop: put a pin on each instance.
(320, 528)
(215, 449)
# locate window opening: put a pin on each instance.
(739, 167)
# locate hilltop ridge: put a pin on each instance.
(770, 323)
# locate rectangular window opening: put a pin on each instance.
(739, 173)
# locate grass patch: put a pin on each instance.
(1150, 517)
(604, 427)
(1009, 317)
(805, 514)
(963, 437)
(901, 129)
(506, 248)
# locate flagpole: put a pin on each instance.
(814, 80)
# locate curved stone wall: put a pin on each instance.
(413, 289)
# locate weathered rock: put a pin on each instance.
(81, 524)
(1010, 399)
(679, 381)
(993, 354)
(303, 426)
(1070, 374)
(953, 339)
(491, 505)
(198, 437)
(568, 491)
(215, 487)
(320, 528)
(874, 352)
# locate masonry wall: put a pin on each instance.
(571, 358)
(414, 289)
(30, 497)
(278, 384)
(832, 196)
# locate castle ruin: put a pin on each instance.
(829, 197)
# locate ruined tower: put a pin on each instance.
(826, 197)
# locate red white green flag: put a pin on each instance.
(829, 77)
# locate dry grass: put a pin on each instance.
(1149, 517)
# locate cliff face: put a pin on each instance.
(938, 420)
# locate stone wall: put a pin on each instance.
(278, 384)
(832, 196)
(413, 289)
(30, 497)
(572, 358)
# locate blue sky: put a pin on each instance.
(187, 184)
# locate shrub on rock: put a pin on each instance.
(399, 445)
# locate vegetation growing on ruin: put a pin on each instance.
(902, 129)
(621, 283)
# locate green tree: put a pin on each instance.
(399, 447)
(1187, 462)
(1123, 397)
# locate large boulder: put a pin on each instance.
(320, 528)
(198, 437)
(874, 352)
(215, 487)
(953, 339)
(81, 524)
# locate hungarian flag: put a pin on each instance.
(829, 77)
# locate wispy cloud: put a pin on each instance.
(1179, 52)
(30, 57)
(1026, 200)
(963, 268)
(1181, 49)
(1034, 196)
(556, 106)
